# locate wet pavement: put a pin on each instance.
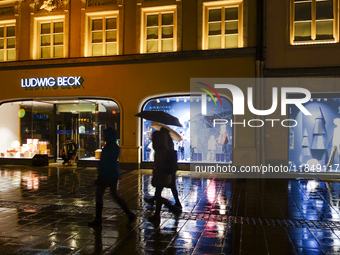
(45, 210)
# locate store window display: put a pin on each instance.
(315, 140)
(196, 129)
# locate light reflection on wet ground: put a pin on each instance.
(45, 211)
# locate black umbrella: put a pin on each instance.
(159, 116)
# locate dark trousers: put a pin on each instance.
(102, 184)
(161, 201)
(173, 190)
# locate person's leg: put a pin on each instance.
(175, 193)
(99, 203)
(150, 200)
(161, 200)
(99, 199)
(120, 201)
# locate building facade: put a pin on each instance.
(69, 69)
(301, 47)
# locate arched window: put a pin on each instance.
(202, 140)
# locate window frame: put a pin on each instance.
(313, 24)
(37, 36)
(159, 11)
(205, 22)
(88, 31)
(5, 24)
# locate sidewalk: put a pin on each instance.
(45, 210)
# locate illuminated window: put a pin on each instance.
(102, 38)
(222, 25)
(159, 30)
(51, 38)
(313, 21)
(7, 42)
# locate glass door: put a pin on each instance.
(88, 129)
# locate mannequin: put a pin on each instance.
(336, 142)
(223, 139)
(211, 148)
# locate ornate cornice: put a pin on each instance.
(7, 10)
(100, 2)
(50, 5)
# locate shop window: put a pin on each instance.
(314, 21)
(7, 42)
(159, 30)
(50, 37)
(314, 143)
(102, 36)
(201, 140)
(222, 26)
(43, 127)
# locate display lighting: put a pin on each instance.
(158, 100)
(319, 99)
(191, 100)
(209, 99)
(311, 100)
(114, 112)
(185, 100)
(177, 100)
(96, 112)
(197, 100)
(315, 42)
(168, 100)
(76, 101)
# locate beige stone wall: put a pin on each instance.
(279, 52)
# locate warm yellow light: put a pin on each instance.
(314, 42)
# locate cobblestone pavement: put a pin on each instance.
(45, 210)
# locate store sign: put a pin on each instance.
(65, 81)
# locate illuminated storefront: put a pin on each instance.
(43, 126)
(202, 140)
(315, 140)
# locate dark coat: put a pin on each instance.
(108, 164)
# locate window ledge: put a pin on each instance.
(314, 42)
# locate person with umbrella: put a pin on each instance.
(163, 175)
(108, 176)
(173, 135)
(165, 159)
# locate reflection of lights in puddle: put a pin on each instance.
(211, 191)
(30, 180)
(73, 242)
(312, 185)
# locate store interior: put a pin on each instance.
(33, 127)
